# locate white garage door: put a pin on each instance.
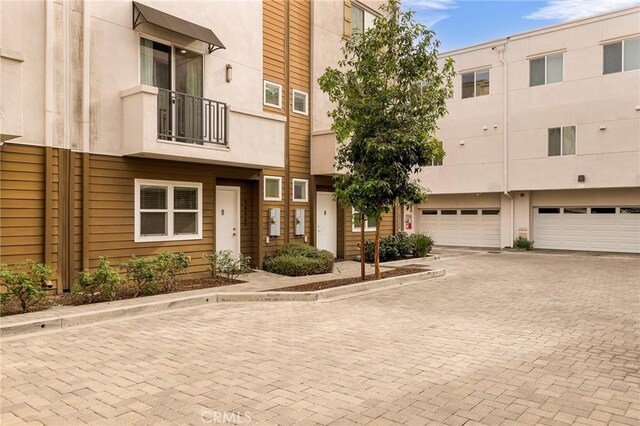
(461, 227)
(587, 228)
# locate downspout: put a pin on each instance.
(48, 73)
(86, 52)
(505, 134)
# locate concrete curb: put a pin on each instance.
(68, 320)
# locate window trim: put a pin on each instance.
(306, 102)
(279, 179)
(562, 154)
(355, 228)
(170, 185)
(622, 42)
(306, 190)
(475, 81)
(264, 94)
(365, 9)
(546, 56)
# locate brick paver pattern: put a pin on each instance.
(503, 339)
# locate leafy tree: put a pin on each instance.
(389, 91)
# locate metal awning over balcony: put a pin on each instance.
(143, 14)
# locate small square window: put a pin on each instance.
(272, 188)
(300, 102)
(300, 190)
(475, 83)
(561, 141)
(546, 70)
(272, 94)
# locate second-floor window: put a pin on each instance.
(475, 83)
(170, 67)
(361, 19)
(545, 70)
(623, 55)
(272, 94)
(300, 102)
(562, 141)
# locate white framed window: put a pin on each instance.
(300, 102)
(562, 141)
(356, 222)
(272, 94)
(475, 83)
(361, 19)
(272, 188)
(546, 70)
(301, 190)
(167, 210)
(623, 55)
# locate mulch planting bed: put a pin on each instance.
(68, 299)
(321, 285)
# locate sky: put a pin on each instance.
(460, 23)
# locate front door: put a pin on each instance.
(228, 218)
(326, 234)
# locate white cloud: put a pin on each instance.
(429, 4)
(566, 10)
(430, 12)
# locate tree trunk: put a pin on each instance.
(377, 251)
(362, 260)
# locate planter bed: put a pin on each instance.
(68, 299)
(322, 285)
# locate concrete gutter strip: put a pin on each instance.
(67, 320)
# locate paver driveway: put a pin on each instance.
(519, 338)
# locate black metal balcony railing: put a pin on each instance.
(191, 119)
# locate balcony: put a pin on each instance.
(159, 123)
(191, 119)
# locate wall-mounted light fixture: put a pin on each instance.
(581, 178)
(603, 127)
(229, 73)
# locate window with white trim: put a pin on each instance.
(272, 188)
(300, 190)
(167, 211)
(623, 55)
(475, 83)
(300, 102)
(361, 19)
(562, 141)
(545, 70)
(356, 222)
(272, 94)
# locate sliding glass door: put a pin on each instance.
(178, 74)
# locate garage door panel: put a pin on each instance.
(591, 231)
(462, 230)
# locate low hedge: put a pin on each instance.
(296, 260)
(399, 246)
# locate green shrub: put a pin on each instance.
(168, 266)
(144, 275)
(296, 260)
(422, 245)
(103, 283)
(225, 262)
(27, 284)
(523, 243)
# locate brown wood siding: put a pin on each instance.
(22, 203)
(111, 207)
(273, 36)
(352, 239)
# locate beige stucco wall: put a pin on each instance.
(114, 65)
(473, 131)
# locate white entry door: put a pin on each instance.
(228, 218)
(327, 218)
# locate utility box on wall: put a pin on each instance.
(274, 222)
(299, 222)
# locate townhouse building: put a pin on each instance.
(542, 141)
(133, 128)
